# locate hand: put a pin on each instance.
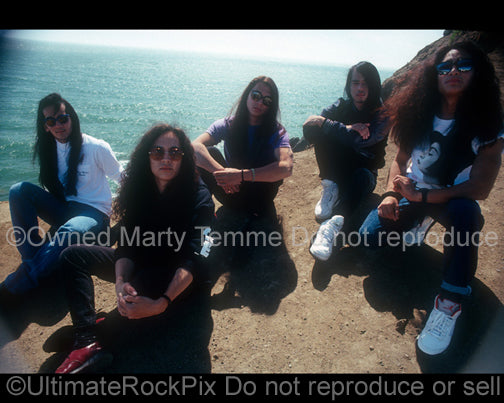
(361, 128)
(228, 177)
(389, 208)
(406, 187)
(123, 289)
(138, 307)
(314, 120)
(230, 189)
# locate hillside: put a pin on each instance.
(276, 310)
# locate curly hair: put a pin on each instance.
(139, 186)
(413, 104)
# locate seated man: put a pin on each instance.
(350, 140)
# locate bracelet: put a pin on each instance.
(167, 298)
(243, 180)
(397, 195)
(253, 174)
(424, 195)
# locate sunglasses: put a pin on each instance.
(157, 153)
(50, 121)
(462, 65)
(257, 96)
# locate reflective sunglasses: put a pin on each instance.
(257, 96)
(50, 121)
(157, 153)
(462, 65)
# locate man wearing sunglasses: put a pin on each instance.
(349, 140)
(257, 154)
(451, 105)
(75, 198)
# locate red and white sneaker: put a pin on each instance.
(438, 331)
(91, 357)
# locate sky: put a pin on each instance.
(384, 48)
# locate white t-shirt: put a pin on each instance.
(428, 165)
(98, 162)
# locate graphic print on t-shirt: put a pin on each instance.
(440, 159)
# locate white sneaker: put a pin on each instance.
(329, 198)
(324, 241)
(437, 333)
(416, 235)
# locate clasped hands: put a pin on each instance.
(389, 207)
(361, 128)
(229, 179)
(133, 306)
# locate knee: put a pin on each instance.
(71, 256)
(216, 154)
(20, 190)
(80, 225)
(312, 133)
(365, 177)
(466, 213)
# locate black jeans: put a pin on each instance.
(255, 197)
(79, 263)
(337, 162)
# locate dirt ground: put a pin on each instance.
(276, 310)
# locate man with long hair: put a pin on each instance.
(75, 197)
(257, 154)
(349, 138)
(160, 194)
(447, 124)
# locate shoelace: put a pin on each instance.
(440, 324)
(327, 196)
(327, 231)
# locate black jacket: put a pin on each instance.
(169, 233)
(368, 153)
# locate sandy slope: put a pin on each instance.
(275, 310)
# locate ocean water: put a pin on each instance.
(119, 93)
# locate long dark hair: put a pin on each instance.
(412, 107)
(372, 77)
(237, 143)
(45, 149)
(139, 186)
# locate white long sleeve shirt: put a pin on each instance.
(97, 163)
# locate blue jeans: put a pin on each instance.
(463, 221)
(39, 256)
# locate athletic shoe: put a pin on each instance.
(89, 358)
(329, 198)
(416, 235)
(324, 241)
(437, 333)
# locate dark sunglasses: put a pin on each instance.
(462, 65)
(257, 96)
(50, 121)
(157, 153)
